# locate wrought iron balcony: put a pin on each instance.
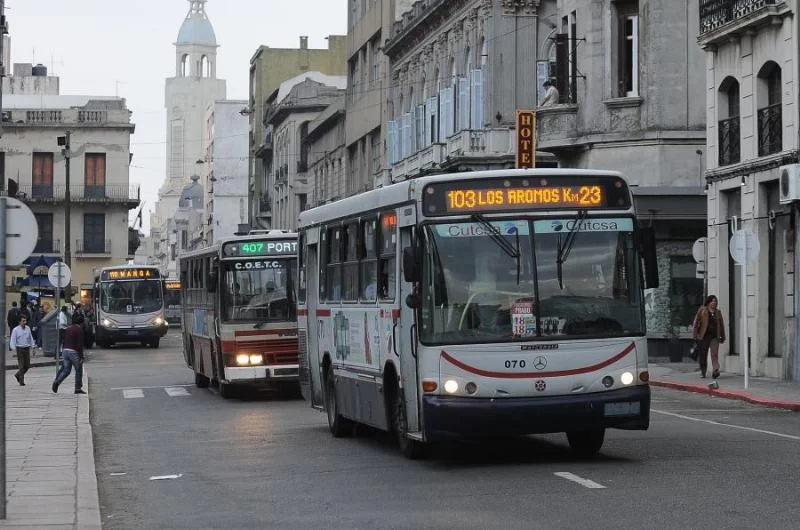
(48, 193)
(717, 13)
(97, 247)
(729, 141)
(770, 129)
(47, 246)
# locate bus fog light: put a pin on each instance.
(242, 359)
(450, 386)
(644, 376)
(471, 388)
(608, 381)
(257, 359)
(429, 386)
(626, 378)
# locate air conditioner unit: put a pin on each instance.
(789, 183)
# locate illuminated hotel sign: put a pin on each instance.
(526, 139)
(525, 193)
(130, 274)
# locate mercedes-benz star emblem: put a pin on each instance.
(540, 385)
(540, 363)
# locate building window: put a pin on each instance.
(729, 141)
(686, 292)
(376, 57)
(44, 245)
(205, 71)
(184, 63)
(770, 124)
(95, 175)
(94, 233)
(628, 52)
(42, 175)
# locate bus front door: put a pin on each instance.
(311, 380)
(407, 340)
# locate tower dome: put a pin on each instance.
(196, 28)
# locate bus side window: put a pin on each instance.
(302, 256)
(333, 274)
(350, 259)
(387, 281)
(368, 253)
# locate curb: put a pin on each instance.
(34, 364)
(88, 501)
(740, 395)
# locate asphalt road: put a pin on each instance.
(269, 462)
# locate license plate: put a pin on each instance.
(286, 371)
(133, 333)
(625, 408)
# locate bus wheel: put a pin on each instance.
(339, 426)
(411, 449)
(155, 342)
(586, 443)
(200, 380)
(226, 390)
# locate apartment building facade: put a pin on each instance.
(327, 154)
(752, 101)
(269, 67)
(33, 166)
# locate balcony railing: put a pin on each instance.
(47, 246)
(92, 246)
(729, 141)
(770, 129)
(717, 13)
(44, 193)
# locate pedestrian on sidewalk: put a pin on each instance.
(72, 354)
(22, 342)
(12, 317)
(709, 332)
(36, 321)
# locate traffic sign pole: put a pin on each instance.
(744, 249)
(3, 360)
(745, 346)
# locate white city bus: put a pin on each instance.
(239, 307)
(129, 305)
(479, 304)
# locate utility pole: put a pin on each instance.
(64, 141)
(3, 479)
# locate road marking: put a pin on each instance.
(175, 391)
(585, 482)
(167, 477)
(131, 393)
(146, 387)
(712, 422)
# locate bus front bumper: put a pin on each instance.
(262, 375)
(131, 334)
(449, 417)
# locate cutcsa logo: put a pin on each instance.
(557, 226)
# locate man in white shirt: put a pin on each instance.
(550, 94)
(64, 318)
(22, 342)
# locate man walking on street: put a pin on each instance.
(12, 318)
(22, 342)
(72, 354)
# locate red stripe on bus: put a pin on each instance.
(323, 312)
(302, 312)
(258, 332)
(529, 375)
(395, 313)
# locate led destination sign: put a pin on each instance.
(130, 274)
(267, 247)
(500, 195)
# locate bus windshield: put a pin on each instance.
(261, 290)
(131, 296)
(172, 298)
(512, 287)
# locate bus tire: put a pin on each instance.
(155, 342)
(586, 444)
(201, 381)
(340, 426)
(411, 449)
(227, 390)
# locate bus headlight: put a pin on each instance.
(451, 386)
(626, 378)
(158, 321)
(242, 359)
(257, 359)
(107, 323)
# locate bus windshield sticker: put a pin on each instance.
(523, 319)
(591, 224)
(506, 228)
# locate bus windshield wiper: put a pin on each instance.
(494, 234)
(562, 252)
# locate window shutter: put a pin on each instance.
(443, 114)
(391, 139)
(419, 123)
(476, 116)
(463, 103)
(433, 120)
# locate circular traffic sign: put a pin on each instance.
(699, 250)
(22, 231)
(59, 274)
(744, 247)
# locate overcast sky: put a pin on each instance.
(109, 47)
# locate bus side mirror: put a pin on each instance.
(410, 268)
(648, 246)
(211, 282)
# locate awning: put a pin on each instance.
(42, 263)
(667, 202)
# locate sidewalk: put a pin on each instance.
(51, 480)
(762, 390)
(38, 360)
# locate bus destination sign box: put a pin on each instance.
(130, 274)
(525, 193)
(266, 247)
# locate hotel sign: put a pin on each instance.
(526, 139)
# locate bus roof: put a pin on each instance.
(254, 235)
(403, 192)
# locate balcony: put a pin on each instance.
(719, 18)
(80, 194)
(729, 141)
(485, 143)
(770, 129)
(419, 162)
(557, 127)
(47, 246)
(93, 247)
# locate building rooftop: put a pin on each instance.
(13, 101)
(196, 28)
